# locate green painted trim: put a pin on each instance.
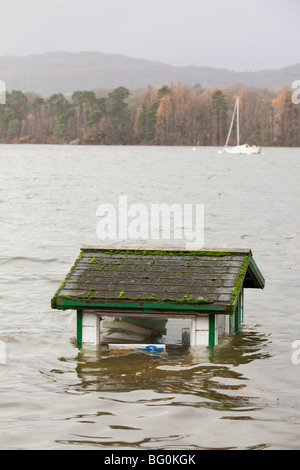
(231, 324)
(256, 272)
(240, 280)
(236, 316)
(238, 313)
(243, 304)
(64, 304)
(79, 328)
(211, 332)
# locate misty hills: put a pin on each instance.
(64, 72)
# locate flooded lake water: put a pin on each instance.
(242, 394)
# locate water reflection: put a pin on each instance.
(210, 377)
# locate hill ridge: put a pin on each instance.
(66, 72)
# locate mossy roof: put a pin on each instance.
(157, 279)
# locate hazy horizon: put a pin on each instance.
(142, 58)
(233, 35)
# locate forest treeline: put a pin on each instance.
(173, 114)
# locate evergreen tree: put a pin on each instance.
(119, 124)
(219, 117)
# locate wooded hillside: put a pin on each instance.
(174, 114)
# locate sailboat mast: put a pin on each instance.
(238, 121)
(231, 124)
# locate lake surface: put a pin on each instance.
(242, 394)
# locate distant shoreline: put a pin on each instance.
(171, 115)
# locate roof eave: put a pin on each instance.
(150, 306)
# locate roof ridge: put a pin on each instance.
(162, 248)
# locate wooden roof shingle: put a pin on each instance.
(157, 279)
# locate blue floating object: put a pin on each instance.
(138, 347)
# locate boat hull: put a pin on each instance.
(242, 150)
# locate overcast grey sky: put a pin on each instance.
(233, 34)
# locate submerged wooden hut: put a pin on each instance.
(205, 286)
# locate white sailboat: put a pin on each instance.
(239, 149)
